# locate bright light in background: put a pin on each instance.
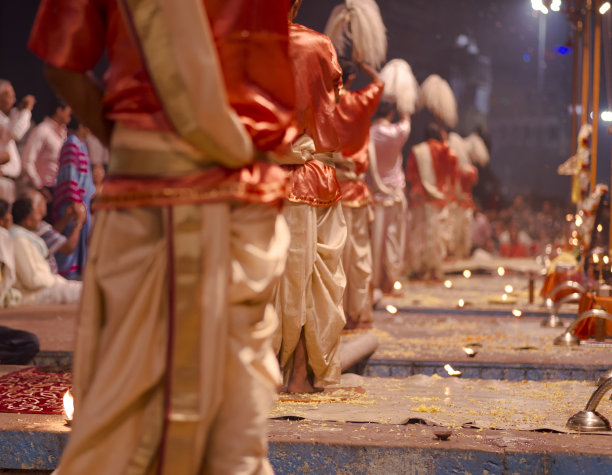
(517, 313)
(606, 116)
(508, 289)
(501, 271)
(604, 8)
(461, 303)
(606, 260)
(397, 285)
(448, 284)
(467, 274)
(538, 6)
(555, 6)
(599, 228)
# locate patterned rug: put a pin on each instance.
(37, 390)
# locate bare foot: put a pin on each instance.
(300, 382)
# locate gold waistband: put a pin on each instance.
(143, 152)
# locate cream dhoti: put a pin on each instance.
(426, 248)
(388, 240)
(357, 255)
(357, 263)
(186, 287)
(311, 290)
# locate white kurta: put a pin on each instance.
(41, 153)
(12, 129)
(34, 277)
(7, 265)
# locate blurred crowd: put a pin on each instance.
(523, 229)
(49, 175)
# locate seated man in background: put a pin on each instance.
(9, 296)
(64, 236)
(34, 276)
(14, 123)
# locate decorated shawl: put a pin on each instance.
(74, 185)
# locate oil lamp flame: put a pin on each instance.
(469, 351)
(461, 303)
(467, 274)
(595, 259)
(501, 271)
(606, 260)
(68, 405)
(452, 372)
(397, 285)
(504, 297)
(517, 313)
(392, 309)
(508, 289)
(448, 284)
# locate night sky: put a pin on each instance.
(423, 32)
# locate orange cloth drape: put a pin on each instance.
(353, 116)
(556, 278)
(586, 328)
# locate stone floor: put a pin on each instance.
(429, 330)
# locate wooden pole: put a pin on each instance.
(596, 77)
(574, 131)
(586, 33)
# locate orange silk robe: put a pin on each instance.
(73, 35)
(444, 166)
(468, 177)
(318, 77)
(353, 115)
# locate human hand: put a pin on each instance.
(27, 102)
(80, 213)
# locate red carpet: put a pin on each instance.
(34, 391)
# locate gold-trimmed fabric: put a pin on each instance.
(188, 80)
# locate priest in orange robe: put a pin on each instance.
(354, 114)
(309, 298)
(431, 173)
(174, 369)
